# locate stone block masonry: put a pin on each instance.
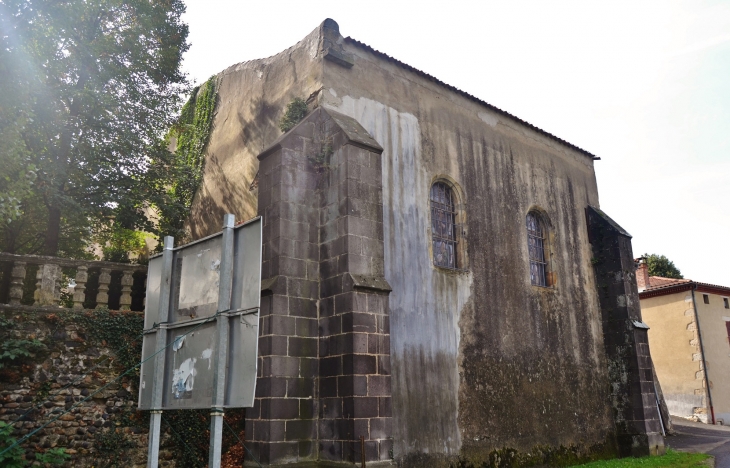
(633, 396)
(324, 370)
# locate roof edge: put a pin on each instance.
(665, 290)
(675, 288)
(468, 96)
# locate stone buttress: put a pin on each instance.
(324, 365)
(633, 397)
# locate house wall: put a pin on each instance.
(714, 333)
(676, 353)
(481, 360)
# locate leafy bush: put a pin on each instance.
(14, 351)
(296, 110)
(13, 458)
(54, 456)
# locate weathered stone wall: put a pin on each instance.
(484, 364)
(251, 99)
(634, 400)
(107, 425)
(324, 373)
(481, 359)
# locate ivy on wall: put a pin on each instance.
(183, 175)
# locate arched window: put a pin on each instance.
(443, 226)
(536, 243)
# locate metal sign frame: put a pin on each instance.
(200, 346)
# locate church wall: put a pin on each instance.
(481, 359)
(251, 98)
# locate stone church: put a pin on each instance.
(439, 284)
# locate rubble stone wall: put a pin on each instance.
(74, 377)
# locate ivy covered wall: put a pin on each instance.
(65, 360)
(189, 138)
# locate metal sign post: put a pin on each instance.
(153, 449)
(221, 355)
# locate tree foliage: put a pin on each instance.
(659, 265)
(88, 90)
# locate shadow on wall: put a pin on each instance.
(233, 196)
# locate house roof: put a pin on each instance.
(660, 281)
(660, 286)
(432, 78)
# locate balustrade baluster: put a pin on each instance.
(125, 302)
(16, 283)
(49, 275)
(105, 277)
(38, 284)
(82, 276)
(49, 292)
(57, 286)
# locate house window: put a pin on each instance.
(706, 298)
(725, 300)
(443, 226)
(536, 241)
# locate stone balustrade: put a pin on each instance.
(49, 275)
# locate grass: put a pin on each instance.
(672, 459)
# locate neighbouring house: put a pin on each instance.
(438, 279)
(689, 338)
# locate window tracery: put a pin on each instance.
(444, 230)
(536, 242)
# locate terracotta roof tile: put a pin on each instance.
(660, 286)
(659, 281)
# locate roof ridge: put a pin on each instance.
(471, 97)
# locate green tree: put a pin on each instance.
(88, 90)
(659, 265)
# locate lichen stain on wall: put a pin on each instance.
(426, 303)
(482, 360)
(533, 364)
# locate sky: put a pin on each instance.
(643, 85)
